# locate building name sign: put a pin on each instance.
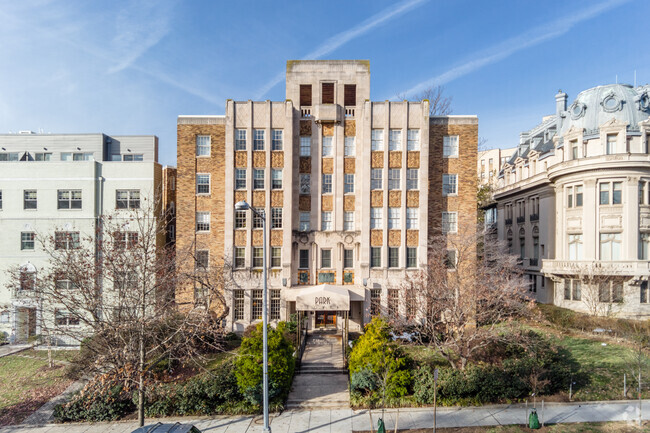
(322, 300)
(325, 299)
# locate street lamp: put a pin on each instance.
(242, 205)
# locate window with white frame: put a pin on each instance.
(258, 257)
(393, 257)
(304, 225)
(27, 241)
(412, 218)
(276, 139)
(377, 140)
(305, 146)
(65, 318)
(348, 259)
(303, 259)
(30, 199)
(348, 220)
(575, 247)
(276, 257)
(411, 257)
(274, 304)
(644, 246)
(276, 218)
(394, 216)
(203, 221)
(202, 183)
(450, 146)
(0, 199)
(395, 141)
(610, 246)
(305, 184)
(202, 260)
(276, 178)
(349, 148)
(256, 304)
(348, 186)
(412, 178)
(240, 219)
(124, 239)
(240, 139)
(393, 178)
(325, 259)
(611, 144)
(326, 221)
(66, 240)
(240, 257)
(68, 199)
(258, 139)
(449, 222)
(376, 218)
(376, 178)
(127, 199)
(413, 139)
(327, 146)
(375, 257)
(202, 145)
(449, 184)
(616, 189)
(327, 184)
(258, 178)
(240, 178)
(258, 222)
(5, 317)
(238, 304)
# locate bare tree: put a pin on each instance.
(638, 362)
(599, 289)
(439, 104)
(114, 289)
(460, 301)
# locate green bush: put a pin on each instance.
(363, 380)
(248, 365)
(103, 399)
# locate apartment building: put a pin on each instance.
(61, 183)
(352, 191)
(573, 202)
(490, 163)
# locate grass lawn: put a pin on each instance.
(26, 384)
(57, 355)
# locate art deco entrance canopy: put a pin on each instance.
(326, 297)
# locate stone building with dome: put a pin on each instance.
(574, 202)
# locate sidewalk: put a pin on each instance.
(347, 420)
(10, 349)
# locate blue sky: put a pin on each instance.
(131, 67)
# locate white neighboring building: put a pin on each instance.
(61, 182)
(490, 163)
(574, 202)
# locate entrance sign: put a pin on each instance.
(324, 297)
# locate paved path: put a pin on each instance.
(10, 349)
(347, 420)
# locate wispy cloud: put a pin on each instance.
(346, 36)
(520, 42)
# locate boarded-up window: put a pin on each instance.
(328, 93)
(305, 95)
(350, 95)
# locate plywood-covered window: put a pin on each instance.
(350, 95)
(305, 95)
(327, 93)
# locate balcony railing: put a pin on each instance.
(508, 221)
(305, 112)
(533, 262)
(349, 111)
(534, 217)
(521, 219)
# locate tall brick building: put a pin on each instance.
(352, 190)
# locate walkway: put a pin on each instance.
(347, 420)
(322, 381)
(10, 349)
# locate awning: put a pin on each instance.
(325, 297)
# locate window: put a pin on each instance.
(575, 247)
(258, 139)
(449, 184)
(240, 178)
(124, 240)
(413, 139)
(65, 318)
(133, 157)
(325, 258)
(348, 258)
(258, 178)
(240, 219)
(327, 93)
(127, 199)
(376, 178)
(574, 149)
(276, 139)
(610, 246)
(644, 246)
(258, 257)
(202, 260)
(274, 307)
(393, 303)
(26, 241)
(395, 141)
(305, 146)
(276, 178)
(256, 305)
(394, 214)
(30, 200)
(258, 221)
(375, 257)
(9, 156)
(69, 199)
(202, 145)
(5, 317)
(327, 184)
(451, 259)
(348, 186)
(449, 222)
(617, 193)
(375, 302)
(377, 140)
(27, 279)
(611, 144)
(276, 218)
(326, 221)
(69, 156)
(393, 178)
(348, 221)
(0, 199)
(412, 218)
(240, 257)
(604, 193)
(305, 184)
(240, 139)
(350, 95)
(305, 95)
(641, 192)
(327, 146)
(41, 156)
(578, 200)
(203, 221)
(412, 178)
(304, 221)
(304, 259)
(450, 146)
(276, 255)
(66, 240)
(238, 304)
(349, 146)
(393, 257)
(376, 218)
(643, 292)
(202, 183)
(411, 257)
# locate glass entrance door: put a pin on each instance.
(325, 319)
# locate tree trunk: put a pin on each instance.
(141, 383)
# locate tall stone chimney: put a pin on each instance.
(560, 102)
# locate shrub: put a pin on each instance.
(248, 365)
(363, 380)
(102, 399)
